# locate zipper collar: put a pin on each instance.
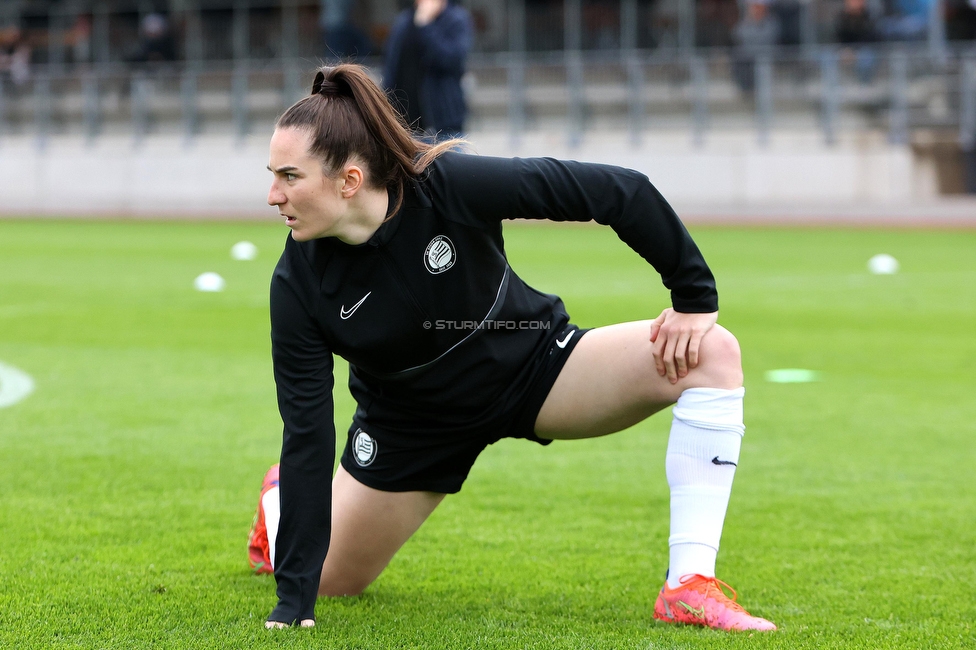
(414, 201)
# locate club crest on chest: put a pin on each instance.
(440, 254)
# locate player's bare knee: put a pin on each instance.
(347, 578)
(343, 587)
(340, 592)
(721, 359)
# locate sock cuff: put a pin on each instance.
(678, 540)
(711, 408)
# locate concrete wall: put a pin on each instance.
(735, 169)
(220, 177)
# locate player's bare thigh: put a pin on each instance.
(610, 381)
(368, 527)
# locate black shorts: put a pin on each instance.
(390, 461)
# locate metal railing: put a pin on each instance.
(701, 92)
(224, 29)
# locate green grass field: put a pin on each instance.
(131, 473)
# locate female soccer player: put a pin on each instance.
(396, 263)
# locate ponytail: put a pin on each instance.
(348, 115)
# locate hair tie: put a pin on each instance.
(325, 87)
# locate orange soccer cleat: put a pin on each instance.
(258, 549)
(702, 601)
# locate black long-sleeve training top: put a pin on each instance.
(381, 306)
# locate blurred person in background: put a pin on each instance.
(961, 20)
(909, 21)
(79, 39)
(156, 41)
(396, 263)
(857, 31)
(789, 17)
(715, 23)
(340, 35)
(15, 58)
(426, 54)
(755, 34)
(961, 26)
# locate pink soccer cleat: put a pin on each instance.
(702, 601)
(258, 550)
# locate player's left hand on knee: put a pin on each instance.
(677, 339)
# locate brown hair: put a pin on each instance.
(348, 115)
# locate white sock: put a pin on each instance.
(703, 452)
(272, 513)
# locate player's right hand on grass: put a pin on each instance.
(285, 615)
(278, 625)
(291, 610)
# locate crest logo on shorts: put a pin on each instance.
(440, 254)
(363, 448)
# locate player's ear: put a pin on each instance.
(353, 178)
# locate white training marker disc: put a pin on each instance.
(209, 282)
(791, 376)
(15, 385)
(244, 251)
(883, 264)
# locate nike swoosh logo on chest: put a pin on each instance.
(344, 313)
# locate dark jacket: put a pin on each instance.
(377, 305)
(854, 28)
(444, 45)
